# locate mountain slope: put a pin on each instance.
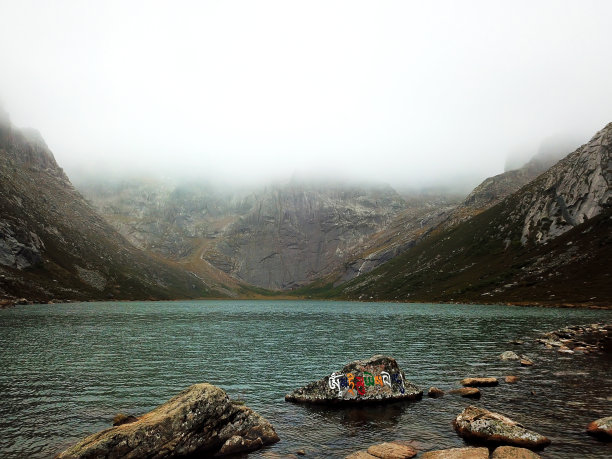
(549, 242)
(54, 245)
(427, 215)
(408, 228)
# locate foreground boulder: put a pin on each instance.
(480, 425)
(200, 420)
(457, 453)
(376, 380)
(601, 428)
(388, 450)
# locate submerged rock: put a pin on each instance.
(480, 425)
(435, 392)
(601, 428)
(479, 382)
(200, 420)
(378, 379)
(509, 355)
(457, 453)
(512, 452)
(526, 362)
(468, 392)
(510, 379)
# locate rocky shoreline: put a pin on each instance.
(493, 435)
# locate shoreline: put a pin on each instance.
(6, 303)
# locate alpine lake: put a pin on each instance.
(67, 369)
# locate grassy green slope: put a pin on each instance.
(464, 264)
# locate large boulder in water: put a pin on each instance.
(376, 380)
(480, 425)
(201, 420)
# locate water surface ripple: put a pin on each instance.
(68, 369)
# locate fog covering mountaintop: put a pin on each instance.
(414, 95)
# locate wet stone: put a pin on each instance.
(512, 452)
(484, 426)
(467, 392)
(601, 428)
(457, 453)
(479, 382)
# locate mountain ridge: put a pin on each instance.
(53, 245)
(520, 235)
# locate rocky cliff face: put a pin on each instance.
(54, 245)
(570, 193)
(298, 233)
(423, 214)
(276, 237)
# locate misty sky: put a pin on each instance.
(412, 93)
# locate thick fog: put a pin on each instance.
(411, 93)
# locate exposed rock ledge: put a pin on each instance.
(200, 420)
(376, 380)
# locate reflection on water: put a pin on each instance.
(67, 369)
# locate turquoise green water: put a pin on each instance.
(67, 369)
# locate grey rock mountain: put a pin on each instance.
(571, 192)
(158, 239)
(286, 236)
(53, 245)
(277, 237)
(298, 233)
